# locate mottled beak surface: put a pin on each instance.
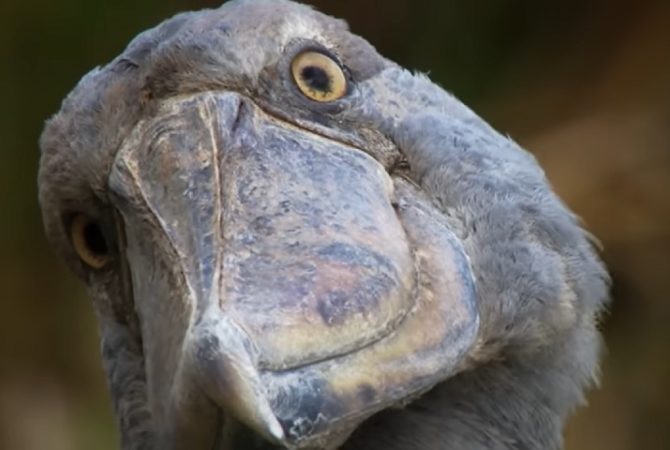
(282, 280)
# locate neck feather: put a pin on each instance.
(516, 402)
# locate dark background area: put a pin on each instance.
(585, 85)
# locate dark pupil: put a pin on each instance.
(95, 241)
(316, 78)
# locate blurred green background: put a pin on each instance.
(583, 84)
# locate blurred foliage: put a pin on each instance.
(585, 85)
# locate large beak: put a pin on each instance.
(282, 280)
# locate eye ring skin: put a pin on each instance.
(277, 93)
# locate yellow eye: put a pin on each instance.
(318, 76)
(89, 241)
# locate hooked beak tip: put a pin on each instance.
(275, 429)
(231, 380)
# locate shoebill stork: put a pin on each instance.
(293, 242)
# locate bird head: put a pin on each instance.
(284, 233)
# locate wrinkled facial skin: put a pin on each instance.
(280, 269)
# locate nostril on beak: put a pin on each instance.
(228, 375)
(240, 114)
